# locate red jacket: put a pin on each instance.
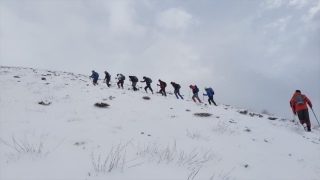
(296, 107)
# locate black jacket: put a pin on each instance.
(108, 76)
(133, 79)
(176, 86)
(146, 79)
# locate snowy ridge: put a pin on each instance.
(134, 138)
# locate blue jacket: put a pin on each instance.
(209, 93)
(95, 75)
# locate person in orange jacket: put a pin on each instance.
(299, 106)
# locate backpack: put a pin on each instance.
(122, 77)
(178, 86)
(165, 84)
(211, 90)
(299, 100)
(135, 79)
(197, 89)
(149, 80)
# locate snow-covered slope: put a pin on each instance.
(133, 138)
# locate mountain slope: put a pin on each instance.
(160, 138)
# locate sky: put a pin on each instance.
(254, 54)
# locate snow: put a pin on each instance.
(144, 139)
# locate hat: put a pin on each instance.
(298, 91)
(92, 70)
(190, 86)
(205, 88)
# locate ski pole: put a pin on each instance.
(315, 116)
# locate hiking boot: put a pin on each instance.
(309, 128)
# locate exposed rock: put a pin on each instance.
(203, 114)
(272, 118)
(146, 97)
(79, 143)
(46, 103)
(101, 104)
(244, 112)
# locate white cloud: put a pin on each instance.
(174, 19)
(280, 24)
(312, 12)
(298, 3)
(271, 4)
(122, 18)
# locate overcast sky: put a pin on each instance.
(254, 54)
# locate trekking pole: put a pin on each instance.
(315, 116)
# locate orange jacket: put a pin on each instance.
(296, 107)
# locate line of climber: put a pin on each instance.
(162, 84)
